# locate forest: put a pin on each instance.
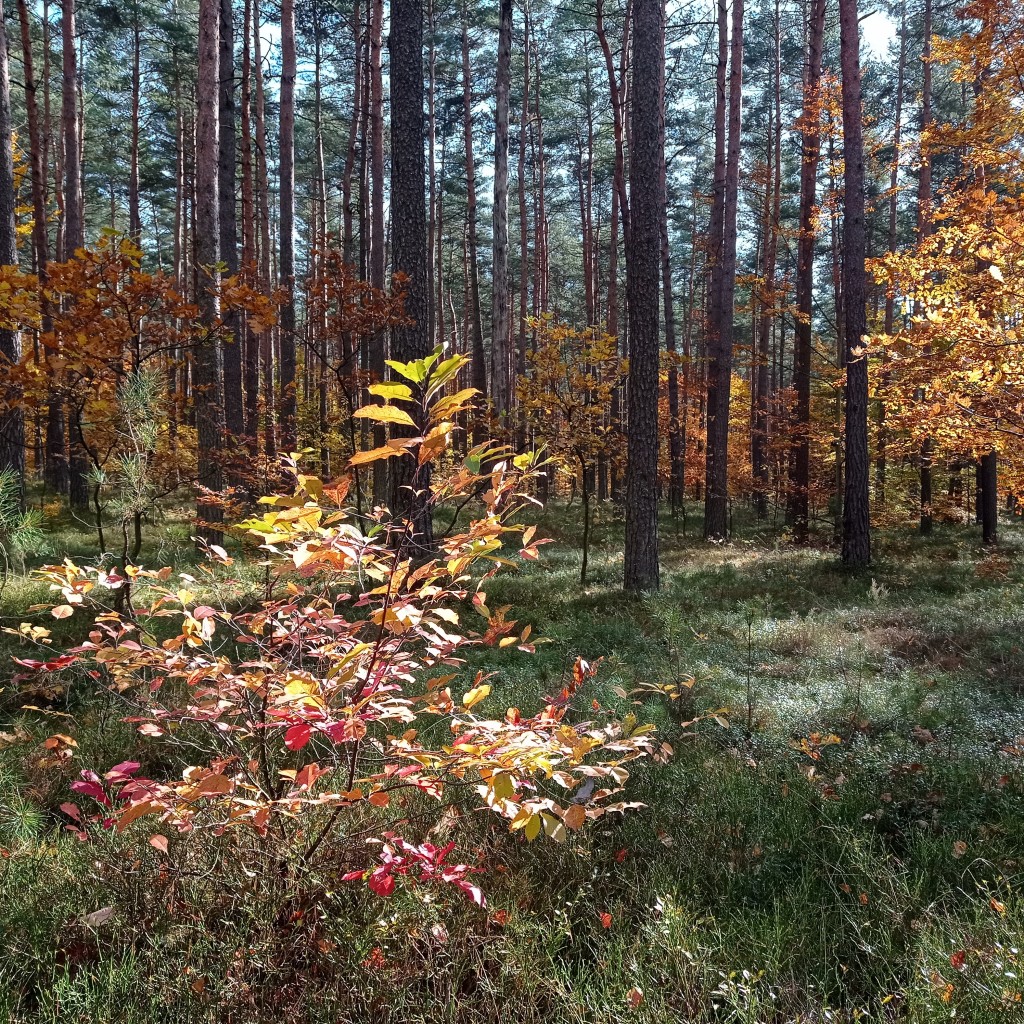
(511, 511)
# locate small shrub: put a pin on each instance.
(330, 715)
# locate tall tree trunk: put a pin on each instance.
(616, 88)
(988, 498)
(317, 321)
(266, 346)
(716, 495)
(524, 232)
(620, 212)
(676, 490)
(206, 360)
(377, 353)
(856, 508)
(641, 571)
(355, 125)
(250, 345)
(478, 357)
(542, 261)
(716, 243)
(891, 240)
(286, 230)
(134, 212)
(772, 211)
(74, 234)
(410, 493)
(234, 412)
(501, 362)
(74, 229)
(800, 454)
(37, 165)
(433, 271)
(924, 199)
(12, 422)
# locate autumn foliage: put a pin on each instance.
(335, 709)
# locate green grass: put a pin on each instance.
(880, 881)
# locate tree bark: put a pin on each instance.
(890, 300)
(800, 454)
(716, 495)
(37, 167)
(410, 493)
(234, 412)
(988, 498)
(641, 570)
(134, 212)
(856, 509)
(266, 348)
(524, 233)
(924, 198)
(74, 228)
(12, 421)
(676, 489)
(286, 240)
(478, 357)
(377, 345)
(501, 354)
(206, 362)
(772, 214)
(250, 346)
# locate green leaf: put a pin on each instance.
(416, 371)
(445, 372)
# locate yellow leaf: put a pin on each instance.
(532, 828)
(391, 390)
(474, 696)
(374, 455)
(502, 786)
(385, 414)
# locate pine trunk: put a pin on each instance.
(800, 454)
(409, 491)
(12, 421)
(206, 357)
(478, 357)
(234, 412)
(286, 240)
(856, 508)
(501, 368)
(641, 571)
(250, 346)
(716, 495)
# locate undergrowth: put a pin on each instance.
(844, 844)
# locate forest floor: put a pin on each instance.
(846, 845)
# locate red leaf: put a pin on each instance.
(158, 843)
(382, 882)
(93, 789)
(72, 811)
(297, 736)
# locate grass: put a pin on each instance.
(773, 875)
